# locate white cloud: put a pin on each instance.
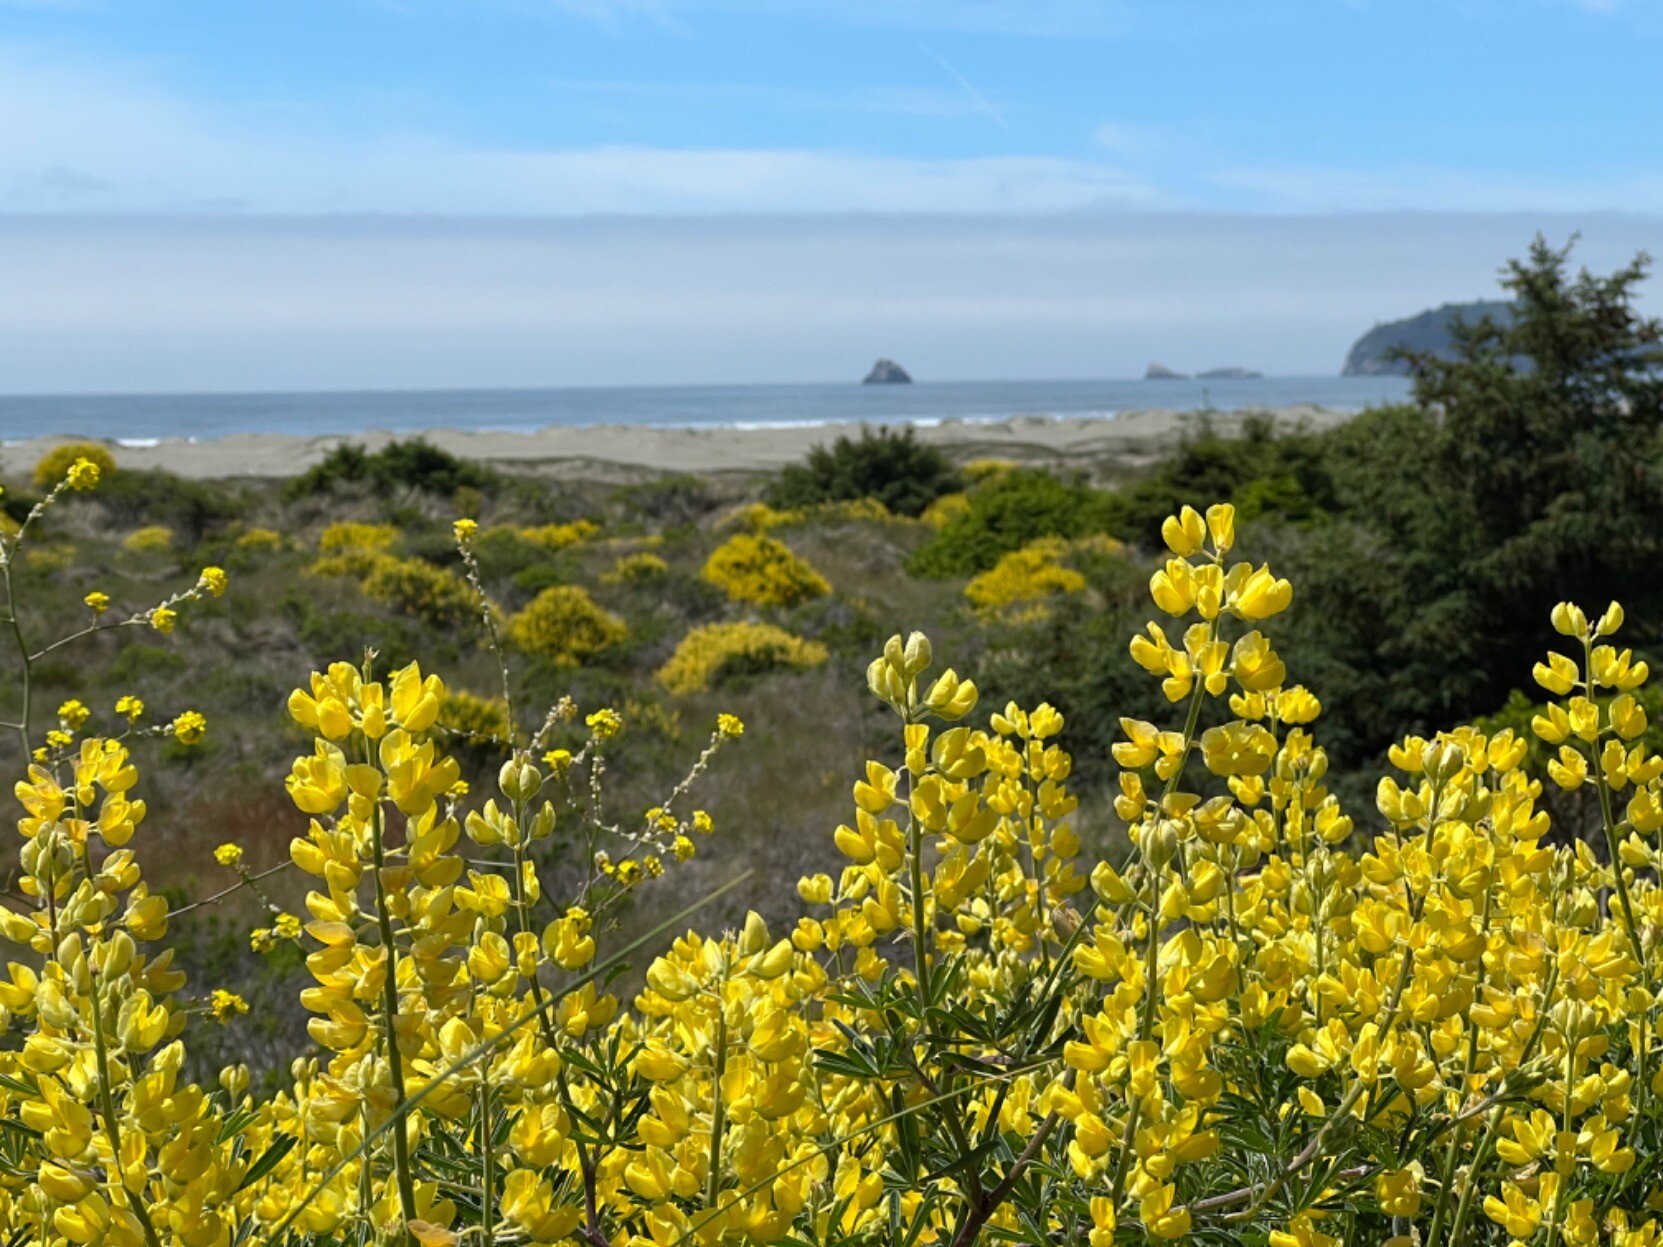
(1330, 189)
(76, 136)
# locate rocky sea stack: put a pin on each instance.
(1160, 372)
(887, 372)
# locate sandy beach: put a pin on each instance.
(632, 450)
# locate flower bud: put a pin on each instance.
(916, 657)
(1159, 843)
(519, 779)
(1442, 761)
(894, 653)
(885, 682)
(1569, 620)
(754, 938)
(234, 1079)
(118, 955)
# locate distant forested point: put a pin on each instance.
(1375, 354)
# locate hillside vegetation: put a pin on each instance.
(1121, 938)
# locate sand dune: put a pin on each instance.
(629, 450)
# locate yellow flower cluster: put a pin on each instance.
(348, 536)
(758, 569)
(714, 650)
(1263, 1026)
(151, 539)
(557, 537)
(56, 464)
(633, 569)
(1019, 583)
(259, 540)
(564, 624)
(945, 508)
(474, 718)
(759, 517)
(414, 586)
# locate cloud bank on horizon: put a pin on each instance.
(950, 152)
(203, 304)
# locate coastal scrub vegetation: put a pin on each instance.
(397, 467)
(1213, 929)
(895, 469)
(1265, 1024)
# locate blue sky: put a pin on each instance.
(382, 193)
(667, 106)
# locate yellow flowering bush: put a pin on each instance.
(416, 587)
(637, 568)
(855, 509)
(564, 624)
(749, 567)
(259, 540)
(151, 539)
(348, 535)
(1271, 1024)
(475, 718)
(557, 537)
(714, 650)
(759, 517)
(55, 464)
(1025, 577)
(944, 508)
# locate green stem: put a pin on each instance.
(112, 1127)
(1452, 1152)
(488, 1153)
(920, 952)
(718, 1110)
(1151, 986)
(1341, 1112)
(1146, 1028)
(1608, 819)
(1464, 1209)
(522, 908)
(389, 1023)
(22, 651)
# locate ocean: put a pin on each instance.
(139, 419)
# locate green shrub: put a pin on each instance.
(537, 577)
(1011, 511)
(667, 501)
(135, 497)
(398, 466)
(894, 468)
(1264, 471)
